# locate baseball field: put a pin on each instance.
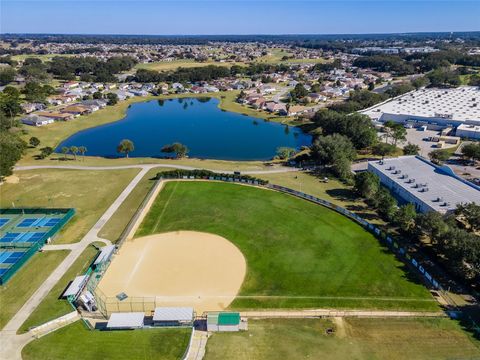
(298, 254)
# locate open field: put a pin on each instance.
(89, 192)
(312, 257)
(76, 342)
(185, 63)
(333, 191)
(179, 280)
(360, 339)
(44, 57)
(52, 306)
(26, 281)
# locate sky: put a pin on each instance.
(158, 17)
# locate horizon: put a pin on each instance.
(186, 18)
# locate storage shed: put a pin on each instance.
(223, 321)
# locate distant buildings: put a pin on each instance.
(427, 186)
(434, 108)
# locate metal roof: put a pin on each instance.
(105, 254)
(130, 320)
(430, 184)
(173, 314)
(224, 318)
(76, 285)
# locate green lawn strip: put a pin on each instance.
(26, 281)
(293, 248)
(76, 342)
(89, 192)
(118, 222)
(360, 339)
(52, 306)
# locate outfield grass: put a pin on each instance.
(360, 339)
(299, 254)
(26, 281)
(118, 222)
(52, 306)
(75, 342)
(89, 192)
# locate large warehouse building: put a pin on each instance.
(427, 186)
(435, 108)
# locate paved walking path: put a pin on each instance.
(197, 346)
(279, 169)
(11, 344)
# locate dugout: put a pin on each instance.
(126, 321)
(173, 316)
(223, 321)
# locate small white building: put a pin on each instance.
(126, 321)
(223, 321)
(468, 131)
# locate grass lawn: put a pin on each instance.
(334, 191)
(117, 223)
(76, 342)
(359, 339)
(26, 281)
(52, 306)
(299, 254)
(89, 192)
(185, 63)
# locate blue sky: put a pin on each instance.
(237, 17)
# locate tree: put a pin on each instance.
(82, 150)
(405, 217)
(97, 95)
(439, 156)
(7, 75)
(10, 102)
(178, 149)
(285, 153)
(74, 151)
(34, 141)
(395, 131)
(366, 184)
(471, 151)
(384, 149)
(11, 150)
(337, 151)
(65, 151)
(385, 204)
(432, 224)
(45, 152)
(298, 92)
(126, 146)
(112, 98)
(470, 213)
(35, 92)
(411, 149)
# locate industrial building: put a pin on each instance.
(435, 108)
(429, 187)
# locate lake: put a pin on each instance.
(198, 123)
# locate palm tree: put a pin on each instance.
(126, 146)
(82, 150)
(65, 151)
(74, 151)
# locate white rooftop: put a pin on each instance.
(105, 254)
(173, 314)
(130, 320)
(459, 103)
(76, 285)
(449, 189)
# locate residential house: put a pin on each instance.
(31, 107)
(56, 115)
(35, 120)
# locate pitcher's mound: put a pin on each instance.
(183, 268)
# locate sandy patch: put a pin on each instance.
(183, 268)
(12, 179)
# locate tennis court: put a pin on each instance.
(23, 232)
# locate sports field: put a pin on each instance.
(360, 339)
(75, 342)
(299, 255)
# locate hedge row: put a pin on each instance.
(209, 175)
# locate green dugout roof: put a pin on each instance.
(224, 318)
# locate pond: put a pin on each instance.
(198, 123)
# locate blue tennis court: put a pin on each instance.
(3, 221)
(23, 232)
